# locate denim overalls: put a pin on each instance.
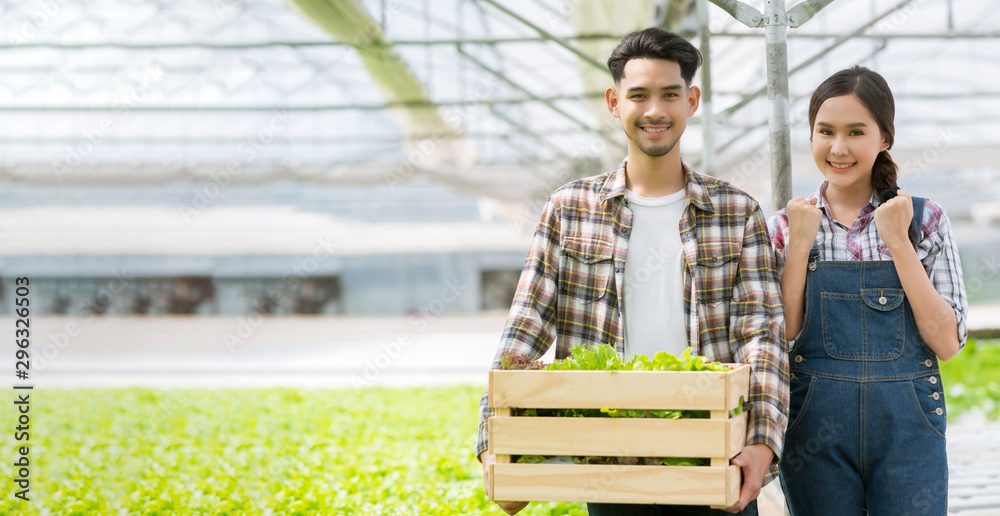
(867, 413)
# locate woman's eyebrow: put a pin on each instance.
(855, 124)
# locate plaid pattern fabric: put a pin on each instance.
(572, 285)
(936, 247)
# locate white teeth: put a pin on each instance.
(649, 130)
(834, 165)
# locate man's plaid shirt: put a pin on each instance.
(572, 286)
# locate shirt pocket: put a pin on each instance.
(587, 269)
(715, 271)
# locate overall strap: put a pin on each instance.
(918, 217)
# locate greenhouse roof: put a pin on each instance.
(497, 99)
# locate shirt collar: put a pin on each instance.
(615, 185)
(697, 190)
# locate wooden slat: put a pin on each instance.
(618, 437)
(738, 386)
(736, 439)
(979, 502)
(489, 485)
(616, 484)
(974, 491)
(968, 480)
(733, 484)
(974, 468)
(732, 487)
(499, 458)
(657, 390)
(717, 459)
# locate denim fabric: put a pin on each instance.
(867, 416)
(616, 509)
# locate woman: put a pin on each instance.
(873, 295)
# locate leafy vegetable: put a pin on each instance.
(626, 461)
(603, 357)
(593, 358)
(517, 361)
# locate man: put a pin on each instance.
(654, 256)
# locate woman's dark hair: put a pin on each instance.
(871, 89)
(655, 43)
(874, 93)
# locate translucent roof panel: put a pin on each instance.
(502, 99)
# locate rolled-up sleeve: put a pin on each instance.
(777, 229)
(756, 332)
(531, 324)
(943, 265)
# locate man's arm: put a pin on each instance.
(531, 323)
(756, 334)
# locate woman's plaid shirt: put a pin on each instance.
(572, 286)
(936, 248)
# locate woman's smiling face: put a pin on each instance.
(845, 142)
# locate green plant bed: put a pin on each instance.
(972, 379)
(254, 451)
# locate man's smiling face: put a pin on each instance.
(653, 102)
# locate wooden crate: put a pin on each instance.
(718, 438)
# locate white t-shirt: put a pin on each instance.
(654, 277)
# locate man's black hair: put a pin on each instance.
(655, 43)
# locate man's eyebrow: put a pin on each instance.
(665, 88)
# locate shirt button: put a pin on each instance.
(812, 266)
(882, 300)
(933, 380)
(928, 362)
(938, 411)
(936, 395)
(798, 358)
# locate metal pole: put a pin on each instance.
(707, 125)
(775, 36)
(841, 39)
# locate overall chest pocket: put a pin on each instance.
(864, 326)
(586, 270)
